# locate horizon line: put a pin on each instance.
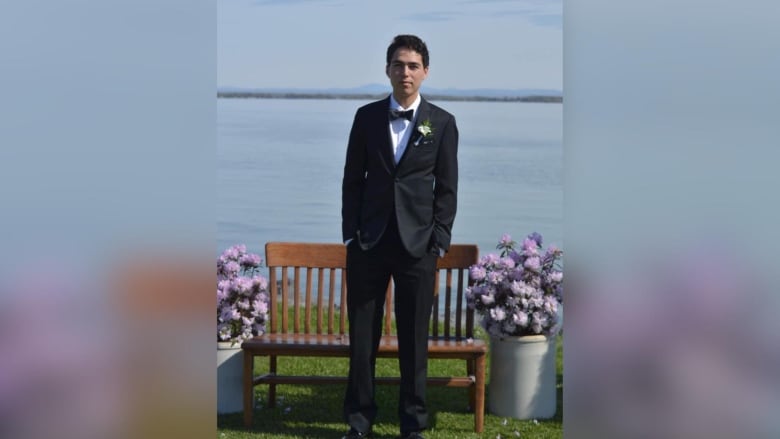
(376, 85)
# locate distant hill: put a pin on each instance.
(378, 90)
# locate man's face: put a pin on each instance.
(406, 73)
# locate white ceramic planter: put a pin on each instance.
(522, 377)
(230, 368)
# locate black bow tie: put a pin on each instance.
(395, 114)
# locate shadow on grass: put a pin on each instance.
(315, 412)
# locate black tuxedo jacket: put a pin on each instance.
(421, 190)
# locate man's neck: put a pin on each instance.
(406, 101)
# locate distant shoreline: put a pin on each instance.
(432, 97)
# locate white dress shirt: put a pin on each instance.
(400, 131)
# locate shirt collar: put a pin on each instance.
(394, 105)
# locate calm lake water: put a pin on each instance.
(280, 164)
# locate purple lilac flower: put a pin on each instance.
(520, 291)
(550, 305)
(498, 314)
(530, 248)
(489, 259)
(223, 331)
(242, 302)
(250, 261)
(477, 272)
(507, 262)
(551, 253)
(231, 253)
(533, 263)
(517, 273)
(231, 268)
(242, 286)
(229, 314)
(536, 323)
(494, 277)
(536, 237)
(520, 319)
(487, 299)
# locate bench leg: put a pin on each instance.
(272, 386)
(249, 400)
(472, 388)
(479, 406)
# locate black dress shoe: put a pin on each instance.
(354, 434)
(412, 435)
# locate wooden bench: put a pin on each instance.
(293, 268)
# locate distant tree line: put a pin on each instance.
(263, 95)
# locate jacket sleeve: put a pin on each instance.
(353, 181)
(445, 193)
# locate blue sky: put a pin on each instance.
(510, 44)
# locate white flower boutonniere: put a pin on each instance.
(425, 128)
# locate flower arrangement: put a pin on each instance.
(242, 295)
(519, 292)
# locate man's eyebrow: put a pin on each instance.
(411, 63)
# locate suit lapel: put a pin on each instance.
(383, 126)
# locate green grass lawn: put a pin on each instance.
(315, 411)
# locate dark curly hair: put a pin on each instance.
(411, 42)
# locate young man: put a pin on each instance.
(399, 197)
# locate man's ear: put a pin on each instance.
(387, 70)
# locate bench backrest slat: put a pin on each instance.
(447, 301)
(434, 325)
(327, 313)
